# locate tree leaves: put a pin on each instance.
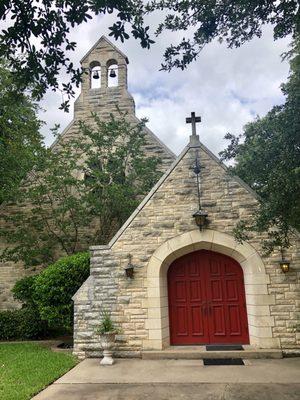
(117, 172)
(20, 140)
(80, 192)
(118, 31)
(232, 22)
(267, 157)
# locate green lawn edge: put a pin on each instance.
(28, 368)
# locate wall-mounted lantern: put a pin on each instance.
(200, 218)
(201, 215)
(285, 266)
(129, 269)
(284, 263)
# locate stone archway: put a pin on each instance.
(257, 298)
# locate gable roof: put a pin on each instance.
(146, 129)
(156, 138)
(160, 183)
(104, 39)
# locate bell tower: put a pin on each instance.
(104, 82)
(103, 90)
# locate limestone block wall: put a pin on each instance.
(102, 101)
(167, 213)
(10, 272)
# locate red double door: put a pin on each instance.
(207, 300)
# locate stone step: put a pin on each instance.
(187, 354)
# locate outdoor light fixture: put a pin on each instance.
(285, 266)
(200, 215)
(200, 218)
(129, 269)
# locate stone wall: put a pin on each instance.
(167, 213)
(102, 101)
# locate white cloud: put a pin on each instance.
(226, 87)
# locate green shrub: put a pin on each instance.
(47, 299)
(24, 289)
(21, 324)
(55, 286)
(106, 325)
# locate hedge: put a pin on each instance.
(47, 300)
(22, 324)
(55, 286)
(24, 289)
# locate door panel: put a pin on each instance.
(195, 291)
(234, 320)
(218, 320)
(216, 290)
(180, 290)
(197, 321)
(231, 290)
(207, 300)
(192, 299)
(181, 322)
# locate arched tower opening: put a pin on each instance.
(95, 75)
(112, 73)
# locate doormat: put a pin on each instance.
(223, 361)
(224, 347)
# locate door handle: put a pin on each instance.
(209, 307)
(206, 307)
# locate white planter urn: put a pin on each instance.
(107, 341)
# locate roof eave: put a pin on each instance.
(104, 38)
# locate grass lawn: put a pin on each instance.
(27, 368)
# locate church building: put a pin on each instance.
(174, 274)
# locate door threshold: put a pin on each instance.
(200, 352)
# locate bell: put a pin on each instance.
(96, 75)
(112, 73)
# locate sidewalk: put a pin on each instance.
(177, 379)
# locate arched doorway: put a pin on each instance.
(207, 302)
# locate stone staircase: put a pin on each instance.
(200, 352)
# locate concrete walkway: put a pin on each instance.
(178, 379)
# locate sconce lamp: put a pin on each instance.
(201, 218)
(285, 266)
(129, 269)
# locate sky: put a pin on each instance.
(226, 87)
